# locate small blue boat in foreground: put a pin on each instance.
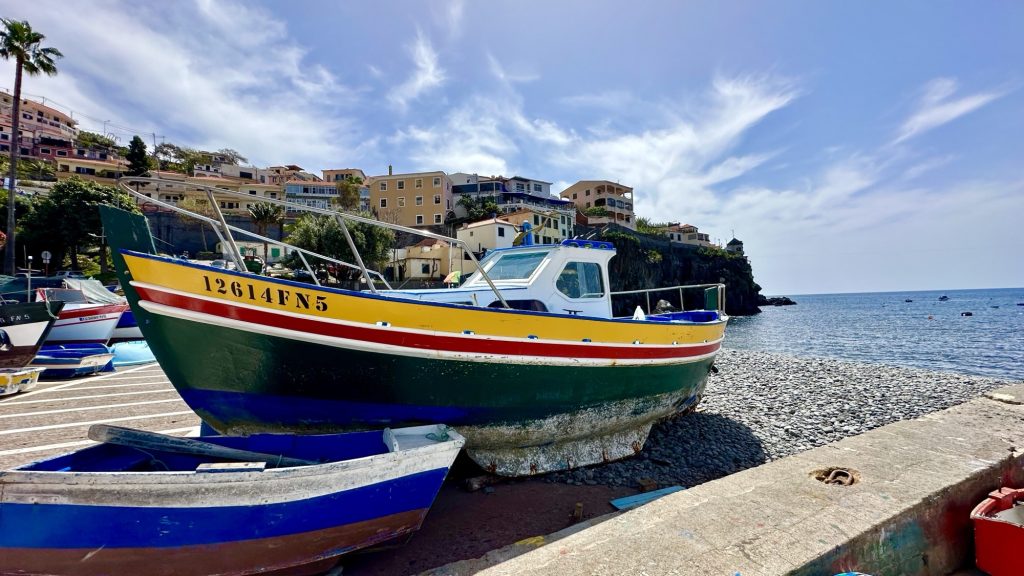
(69, 360)
(116, 509)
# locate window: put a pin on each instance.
(383, 201)
(588, 204)
(419, 200)
(252, 192)
(574, 195)
(62, 152)
(437, 181)
(273, 195)
(516, 266)
(401, 184)
(470, 233)
(44, 150)
(586, 192)
(520, 187)
(501, 231)
(419, 218)
(425, 269)
(537, 187)
(437, 198)
(581, 280)
(401, 201)
(419, 182)
(383, 186)
(437, 218)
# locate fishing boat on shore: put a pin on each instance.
(145, 503)
(23, 329)
(81, 321)
(524, 359)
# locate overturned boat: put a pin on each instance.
(524, 359)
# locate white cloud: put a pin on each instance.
(935, 107)
(505, 77)
(428, 73)
(208, 74)
(611, 99)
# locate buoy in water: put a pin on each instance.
(967, 313)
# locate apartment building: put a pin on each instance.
(413, 199)
(602, 202)
(38, 117)
(314, 194)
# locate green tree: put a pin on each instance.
(94, 140)
(67, 221)
(479, 207)
(263, 215)
(232, 156)
(18, 41)
(597, 212)
(322, 234)
(645, 226)
(177, 158)
(348, 193)
(138, 162)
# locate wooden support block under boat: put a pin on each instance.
(155, 441)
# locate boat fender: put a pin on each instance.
(639, 314)
(713, 369)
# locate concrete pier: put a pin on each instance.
(55, 417)
(907, 513)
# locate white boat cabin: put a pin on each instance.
(567, 278)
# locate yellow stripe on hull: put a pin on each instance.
(399, 313)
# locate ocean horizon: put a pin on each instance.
(974, 331)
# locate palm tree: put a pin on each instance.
(264, 214)
(19, 41)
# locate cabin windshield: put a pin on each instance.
(512, 265)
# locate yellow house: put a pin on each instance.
(102, 171)
(414, 199)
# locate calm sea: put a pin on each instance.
(883, 327)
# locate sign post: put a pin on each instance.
(46, 262)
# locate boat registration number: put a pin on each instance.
(279, 296)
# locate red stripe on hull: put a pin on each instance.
(421, 341)
(306, 553)
(92, 311)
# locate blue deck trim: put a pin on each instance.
(372, 296)
(81, 526)
(635, 500)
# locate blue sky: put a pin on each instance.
(851, 146)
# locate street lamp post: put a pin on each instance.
(28, 281)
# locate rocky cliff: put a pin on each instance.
(650, 262)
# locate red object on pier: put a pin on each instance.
(999, 532)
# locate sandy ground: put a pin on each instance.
(463, 525)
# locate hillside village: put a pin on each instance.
(486, 212)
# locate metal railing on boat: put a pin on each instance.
(719, 300)
(224, 230)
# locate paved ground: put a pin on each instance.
(55, 416)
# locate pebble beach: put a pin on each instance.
(762, 406)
